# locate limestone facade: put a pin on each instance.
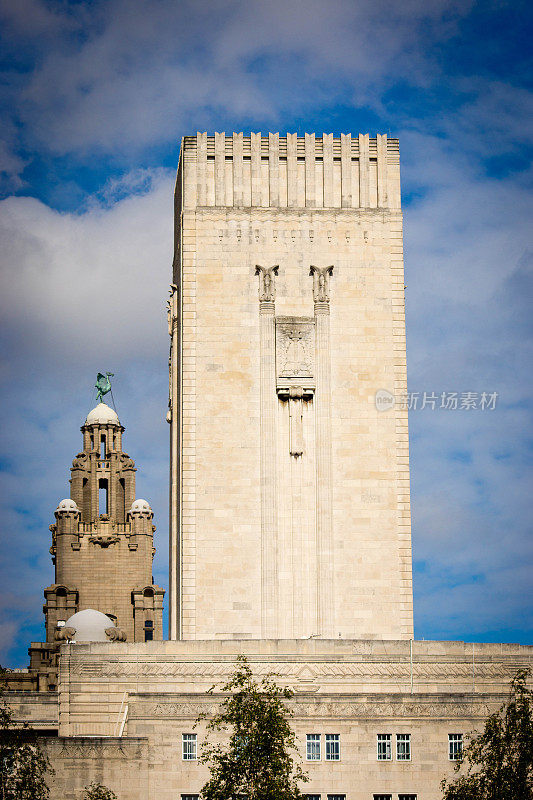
(290, 510)
(124, 711)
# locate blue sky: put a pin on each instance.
(95, 98)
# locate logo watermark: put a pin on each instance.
(447, 401)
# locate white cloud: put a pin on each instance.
(143, 70)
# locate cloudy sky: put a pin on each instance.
(95, 97)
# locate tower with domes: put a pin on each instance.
(102, 550)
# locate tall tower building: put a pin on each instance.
(289, 501)
(102, 545)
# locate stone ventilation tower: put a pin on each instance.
(102, 548)
(289, 480)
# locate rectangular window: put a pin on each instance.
(148, 630)
(311, 797)
(455, 746)
(403, 746)
(333, 746)
(188, 741)
(336, 797)
(407, 797)
(190, 797)
(384, 747)
(382, 797)
(313, 747)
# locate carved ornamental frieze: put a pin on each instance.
(337, 708)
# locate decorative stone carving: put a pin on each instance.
(81, 461)
(296, 434)
(321, 672)
(267, 286)
(126, 462)
(295, 338)
(321, 277)
(64, 634)
(98, 748)
(337, 708)
(171, 308)
(104, 539)
(115, 634)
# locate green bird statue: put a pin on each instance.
(103, 384)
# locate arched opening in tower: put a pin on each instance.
(103, 496)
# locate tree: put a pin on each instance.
(95, 791)
(23, 765)
(257, 763)
(499, 761)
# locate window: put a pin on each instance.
(382, 797)
(407, 797)
(455, 746)
(313, 747)
(336, 797)
(333, 747)
(311, 797)
(384, 747)
(102, 448)
(403, 746)
(188, 741)
(190, 797)
(148, 630)
(102, 496)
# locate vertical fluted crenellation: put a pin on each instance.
(292, 171)
(364, 169)
(269, 576)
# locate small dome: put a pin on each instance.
(67, 505)
(140, 506)
(90, 625)
(102, 415)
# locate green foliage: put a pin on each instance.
(23, 765)
(499, 761)
(95, 791)
(257, 763)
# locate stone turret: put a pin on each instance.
(102, 547)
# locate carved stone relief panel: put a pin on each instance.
(295, 352)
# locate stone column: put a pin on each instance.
(324, 532)
(268, 407)
(93, 480)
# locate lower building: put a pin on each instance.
(375, 720)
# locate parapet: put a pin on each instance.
(346, 172)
